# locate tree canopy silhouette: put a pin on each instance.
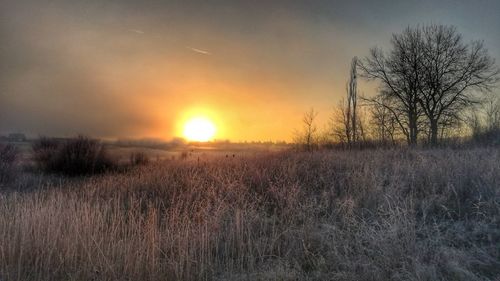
(430, 72)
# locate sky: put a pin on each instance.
(141, 69)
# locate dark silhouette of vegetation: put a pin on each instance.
(45, 151)
(383, 122)
(138, 158)
(484, 121)
(346, 122)
(350, 116)
(430, 72)
(398, 74)
(73, 157)
(307, 138)
(8, 157)
(451, 70)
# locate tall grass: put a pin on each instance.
(362, 215)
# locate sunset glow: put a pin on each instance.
(249, 140)
(199, 129)
(143, 69)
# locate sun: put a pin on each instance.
(199, 129)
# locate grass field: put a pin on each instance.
(335, 215)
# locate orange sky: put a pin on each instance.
(140, 68)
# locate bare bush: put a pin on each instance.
(45, 151)
(73, 157)
(8, 157)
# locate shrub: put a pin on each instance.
(44, 153)
(8, 157)
(73, 157)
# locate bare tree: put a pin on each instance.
(431, 71)
(472, 120)
(340, 123)
(352, 104)
(400, 116)
(347, 111)
(308, 136)
(449, 125)
(450, 71)
(399, 73)
(484, 118)
(361, 134)
(491, 105)
(383, 121)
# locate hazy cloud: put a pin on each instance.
(138, 31)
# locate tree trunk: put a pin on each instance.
(434, 132)
(413, 130)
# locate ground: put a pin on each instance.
(396, 214)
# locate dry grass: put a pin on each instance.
(368, 215)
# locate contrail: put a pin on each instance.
(136, 31)
(203, 52)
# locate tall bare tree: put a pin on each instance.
(399, 73)
(347, 112)
(451, 71)
(352, 104)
